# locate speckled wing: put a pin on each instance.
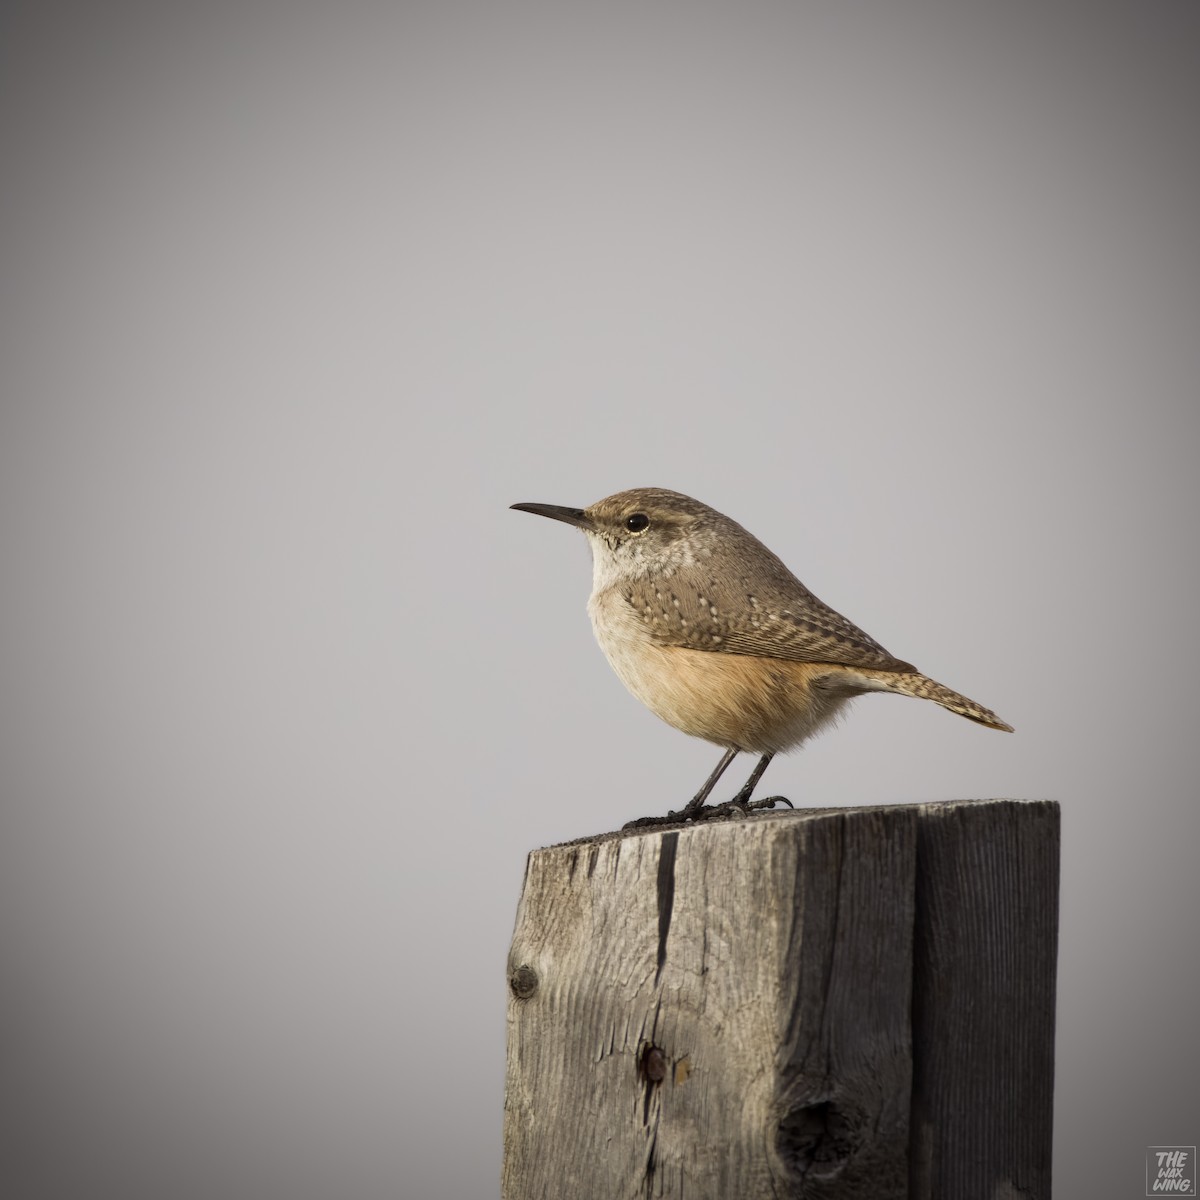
(772, 616)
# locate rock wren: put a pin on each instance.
(712, 633)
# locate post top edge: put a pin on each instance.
(925, 808)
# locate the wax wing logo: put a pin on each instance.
(1171, 1171)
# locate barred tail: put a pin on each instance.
(913, 683)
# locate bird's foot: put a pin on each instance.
(738, 808)
(731, 810)
(672, 818)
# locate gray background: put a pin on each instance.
(298, 298)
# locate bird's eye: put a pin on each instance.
(637, 522)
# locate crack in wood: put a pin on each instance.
(666, 896)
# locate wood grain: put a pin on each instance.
(985, 951)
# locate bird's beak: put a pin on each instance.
(556, 512)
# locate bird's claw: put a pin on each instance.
(770, 802)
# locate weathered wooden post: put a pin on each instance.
(835, 1003)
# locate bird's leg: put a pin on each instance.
(694, 805)
(740, 805)
(697, 801)
(742, 799)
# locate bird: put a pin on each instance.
(715, 635)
